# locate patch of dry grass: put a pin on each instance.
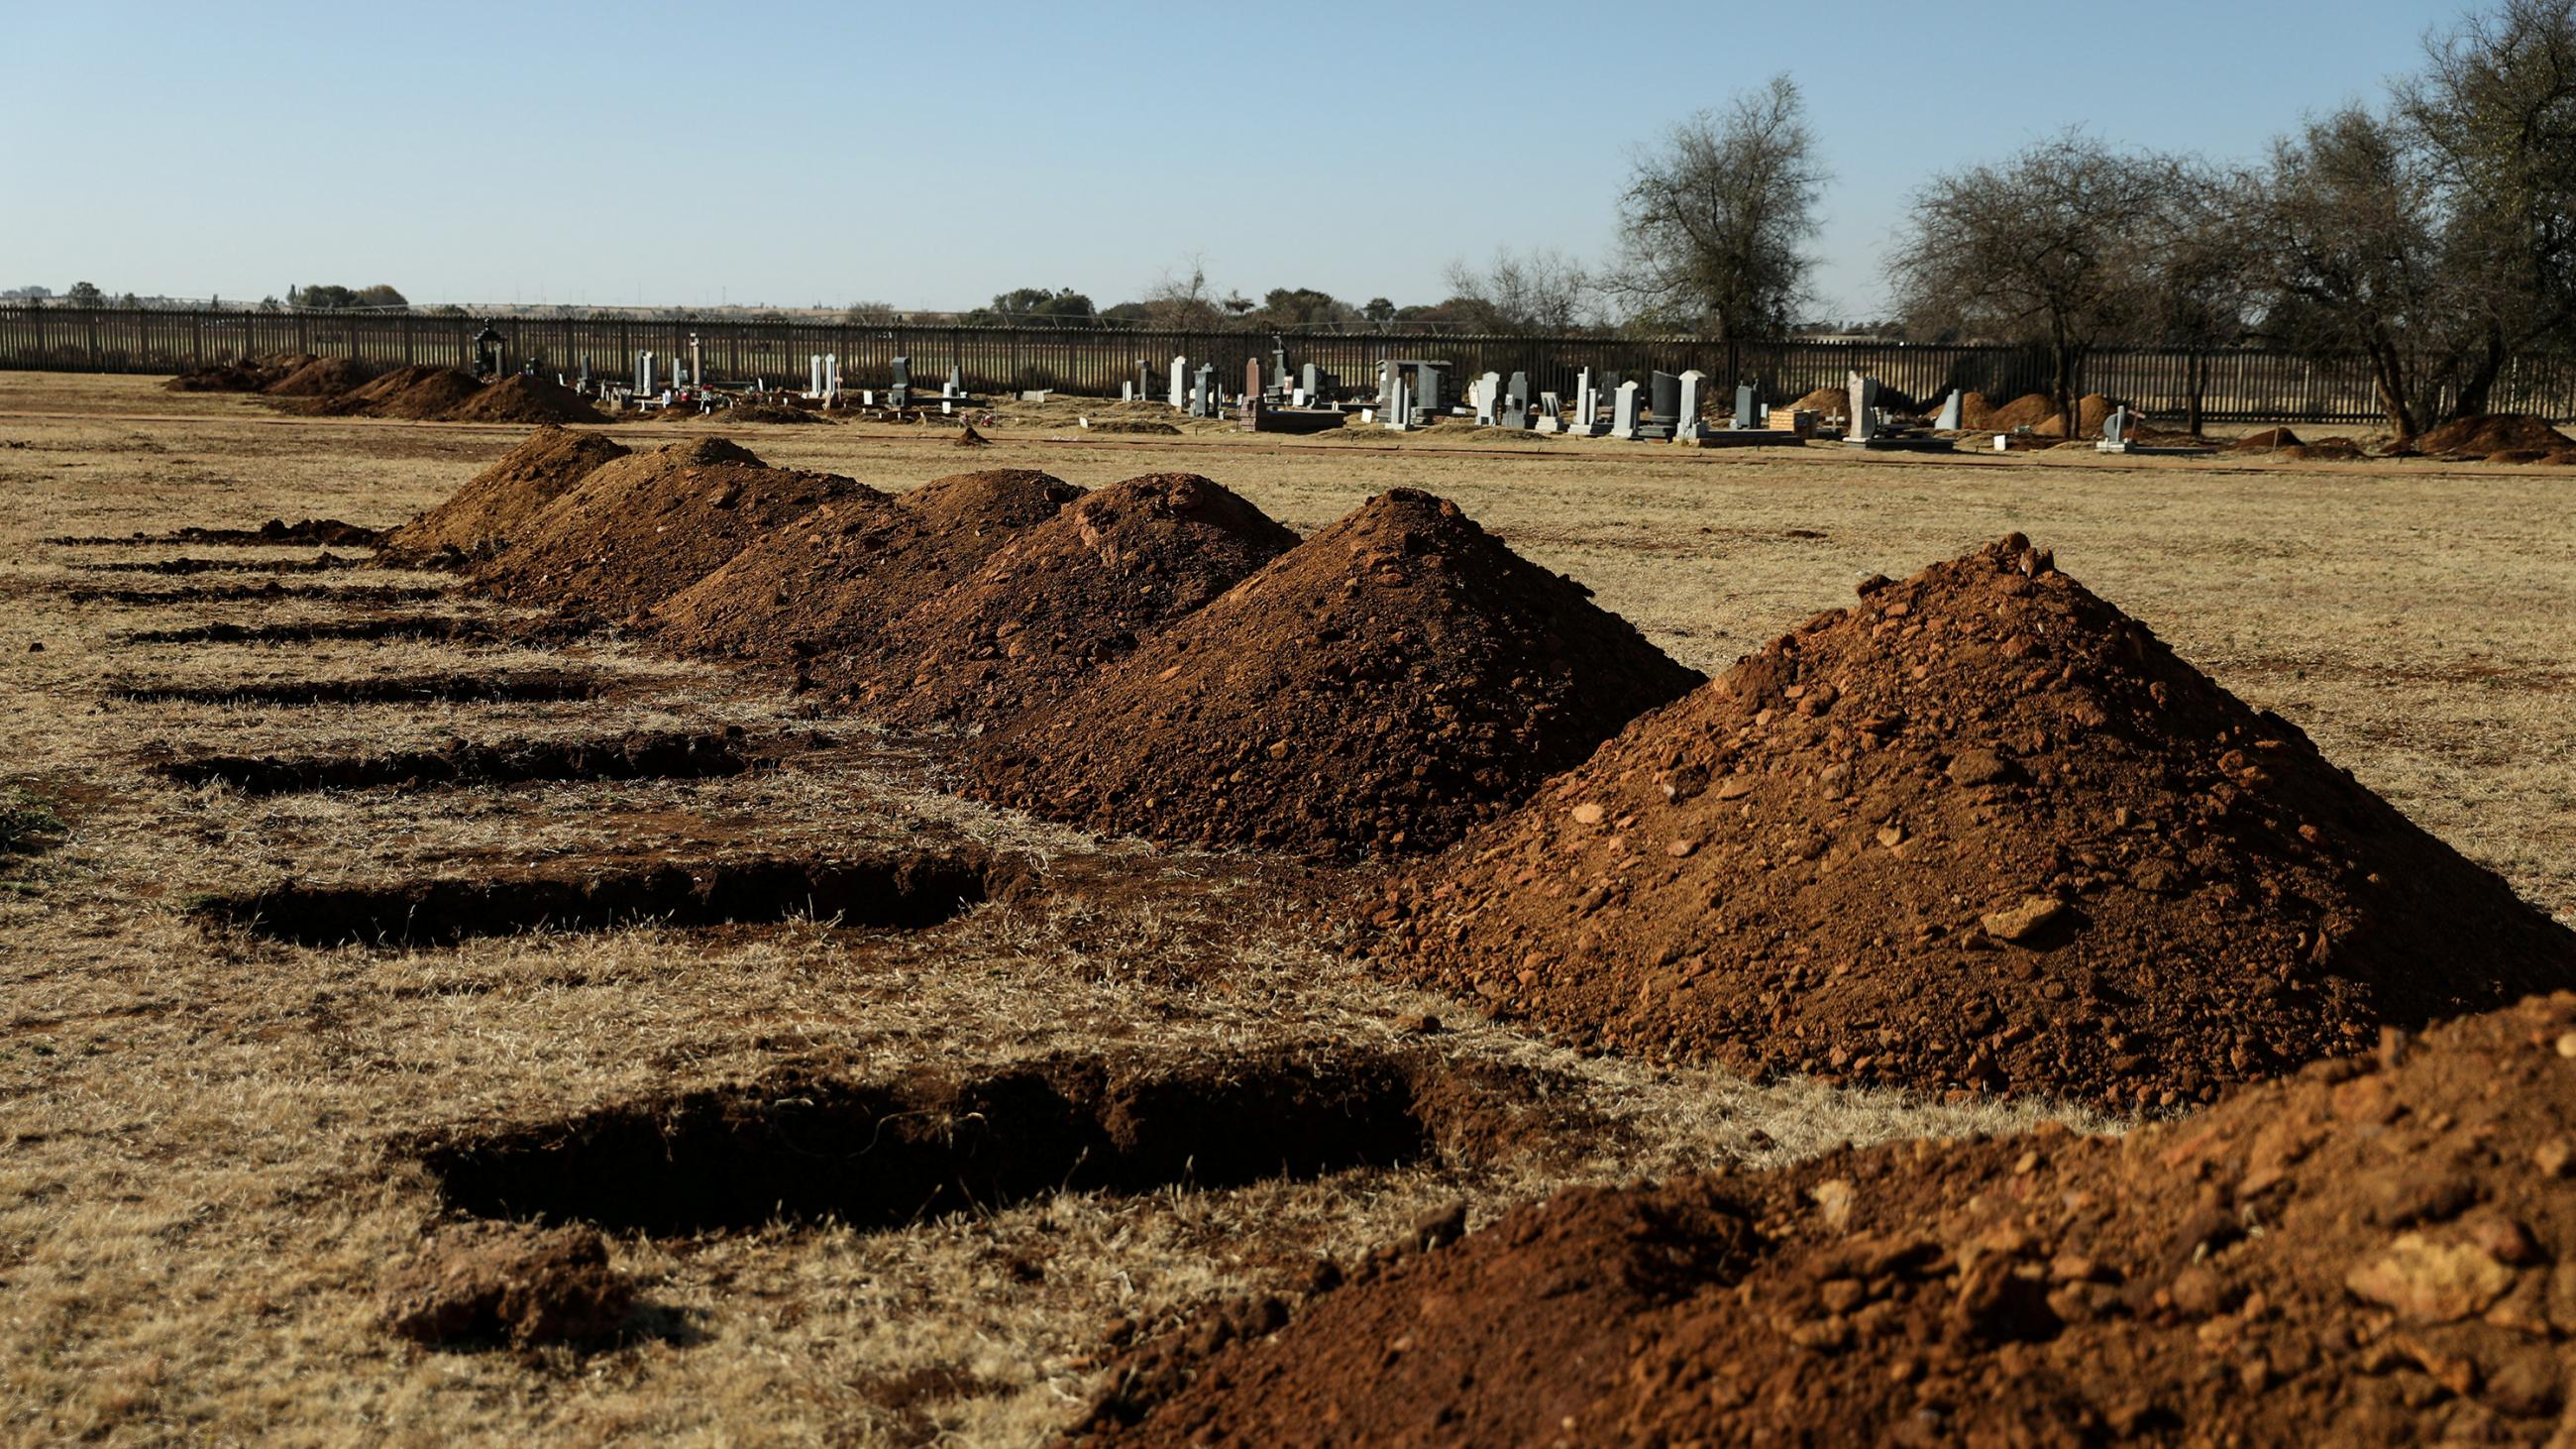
(196, 1187)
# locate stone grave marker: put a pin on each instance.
(1623, 414)
(1686, 424)
(1180, 381)
(1550, 406)
(1949, 421)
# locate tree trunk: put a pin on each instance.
(2061, 383)
(2477, 389)
(2195, 379)
(2385, 375)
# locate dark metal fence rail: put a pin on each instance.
(2239, 385)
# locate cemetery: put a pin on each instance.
(1378, 706)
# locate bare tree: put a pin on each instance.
(1181, 302)
(1715, 223)
(2496, 110)
(2050, 245)
(2201, 287)
(1542, 291)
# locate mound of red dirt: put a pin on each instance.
(2267, 441)
(1062, 599)
(2026, 411)
(2376, 1252)
(2091, 411)
(1377, 688)
(643, 527)
(322, 377)
(1835, 402)
(497, 503)
(1981, 831)
(420, 392)
(523, 399)
(2484, 437)
(1976, 414)
(828, 583)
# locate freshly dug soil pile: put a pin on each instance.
(2327, 450)
(2377, 1252)
(239, 375)
(2026, 411)
(2484, 437)
(1380, 687)
(2091, 411)
(496, 505)
(967, 437)
(643, 527)
(828, 582)
(1976, 415)
(322, 377)
(524, 399)
(418, 393)
(504, 1282)
(1062, 599)
(2267, 441)
(1981, 831)
(767, 413)
(1836, 402)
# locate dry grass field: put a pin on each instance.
(209, 1135)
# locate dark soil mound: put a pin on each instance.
(1129, 425)
(2026, 411)
(497, 504)
(238, 375)
(2327, 450)
(2373, 1253)
(1836, 402)
(765, 413)
(829, 582)
(967, 437)
(1380, 687)
(417, 393)
(1062, 599)
(1983, 830)
(2483, 437)
(525, 399)
(504, 1282)
(322, 377)
(643, 527)
(2267, 441)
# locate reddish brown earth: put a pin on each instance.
(2483, 437)
(643, 527)
(524, 399)
(827, 583)
(747, 413)
(1976, 414)
(1982, 830)
(2326, 450)
(1059, 601)
(1378, 688)
(416, 393)
(498, 1281)
(2268, 440)
(2091, 411)
(498, 502)
(2377, 1252)
(2026, 411)
(238, 375)
(321, 377)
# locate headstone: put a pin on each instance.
(2115, 428)
(1143, 388)
(1950, 419)
(1386, 371)
(956, 384)
(1516, 391)
(1488, 399)
(1252, 375)
(1279, 367)
(813, 374)
(1623, 421)
(1429, 386)
(1583, 397)
(1126, 392)
(1549, 406)
(901, 392)
(1745, 405)
(1861, 405)
(1399, 406)
(697, 362)
(1180, 381)
(1667, 396)
(831, 376)
(1297, 397)
(1686, 423)
(1204, 402)
(1307, 382)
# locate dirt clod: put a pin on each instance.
(500, 1281)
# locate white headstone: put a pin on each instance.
(1861, 404)
(1686, 424)
(1949, 421)
(1623, 420)
(1180, 382)
(1489, 398)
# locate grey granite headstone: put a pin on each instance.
(2115, 428)
(1744, 406)
(1307, 380)
(1429, 385)
(1667, 396)
(901, 392)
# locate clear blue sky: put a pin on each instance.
(931, 156)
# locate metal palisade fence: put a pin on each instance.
(2239, 384)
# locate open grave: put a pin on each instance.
(655, 756)
(523, 687)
